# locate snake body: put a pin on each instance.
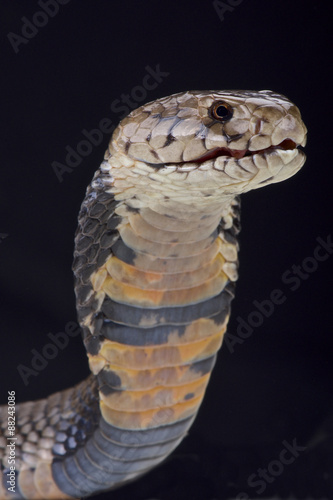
(155, 267)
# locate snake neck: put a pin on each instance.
(154, 281)
(159, 302)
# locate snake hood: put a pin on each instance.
(227, 141)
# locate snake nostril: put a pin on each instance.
(287, 144)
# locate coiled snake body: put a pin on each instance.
(155, 266)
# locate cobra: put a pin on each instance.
(155, 268)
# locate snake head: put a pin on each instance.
(232, 141)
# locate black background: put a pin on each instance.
(275, 386)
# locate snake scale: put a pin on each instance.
(155, 266)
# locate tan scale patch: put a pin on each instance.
(127, 294)
(26, 483)
(150, 418)
(96, 363)
(46, 485)
(151, 263)
(229, 251)
(128, 274)
(174, 250)
(156, 397)
(230, 269)
(159, 356)
(151, 233)
(198, 329)
(4, 493)
(176, 224)
(38, 484)
(202, 328)
(144, 379)
(98, 278)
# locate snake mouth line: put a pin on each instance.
(286, 144)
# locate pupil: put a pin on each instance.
(222, 111)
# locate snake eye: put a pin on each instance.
(221, 111)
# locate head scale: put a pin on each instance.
(232, 141)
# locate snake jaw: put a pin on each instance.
(238, 171)
(215, 153)
(286, 144)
